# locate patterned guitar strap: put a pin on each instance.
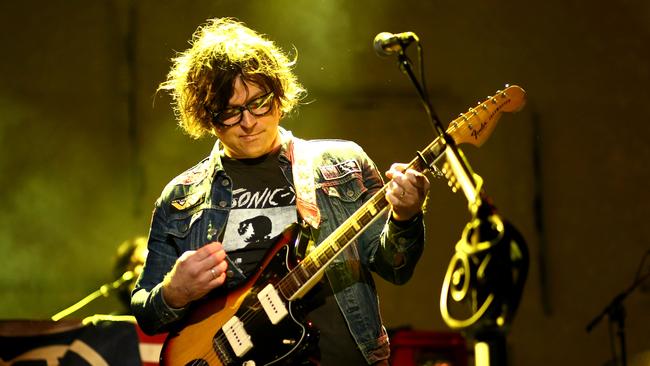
(302, 163)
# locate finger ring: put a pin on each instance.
(403, 193)
(214, 275)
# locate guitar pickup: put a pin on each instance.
(272, 304)
(237, 336)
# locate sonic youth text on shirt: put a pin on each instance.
(284, 196)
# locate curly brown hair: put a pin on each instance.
(202, 77)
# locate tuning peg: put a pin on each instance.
(445, 169)
(453, 184)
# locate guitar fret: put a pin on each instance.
(331, 253)
(322, 258)
(303, 274)
(372, 210)
(315, 259)
(341, 243)
(349, 234)
(366, 217)
(310, 269)
(296, 283)
(286, 287)
(379, 203)
(335, 245)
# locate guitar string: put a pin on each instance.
(321, 250)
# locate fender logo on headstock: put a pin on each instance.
(477, 133)
(485, 115)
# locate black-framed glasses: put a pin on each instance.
(231, 116)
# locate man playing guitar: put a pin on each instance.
(215, 227)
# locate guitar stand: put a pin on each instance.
(484, 283)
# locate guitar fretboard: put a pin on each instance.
(315, 262)
(474, 127)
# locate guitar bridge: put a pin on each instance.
(239, 339)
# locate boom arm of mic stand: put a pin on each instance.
(103, 290)
(616, 301)
(615, 310)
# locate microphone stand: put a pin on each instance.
(487, 274)
(103, 290)
(615, 311)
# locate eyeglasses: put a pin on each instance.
(232, 116)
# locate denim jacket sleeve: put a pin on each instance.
(400, 250)
(147, 302)
(388, 248)
(400, 244)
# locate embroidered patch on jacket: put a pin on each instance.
(194, 175)
(340, 170)
(187, 202)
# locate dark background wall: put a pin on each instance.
(87, 145)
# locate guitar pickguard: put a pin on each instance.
(272, 344)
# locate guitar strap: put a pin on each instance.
(302, 163)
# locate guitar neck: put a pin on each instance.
(473, 127)
(309, 271)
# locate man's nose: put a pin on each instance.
(248, 120)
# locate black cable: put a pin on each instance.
(423, 80)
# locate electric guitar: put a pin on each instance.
(259, 323)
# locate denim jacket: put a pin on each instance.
(193, 210)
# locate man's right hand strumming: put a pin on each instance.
(195, 273)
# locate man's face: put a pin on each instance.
(254, 136)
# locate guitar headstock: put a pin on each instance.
(476, 125)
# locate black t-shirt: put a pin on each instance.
(336, 345)
(263, 206)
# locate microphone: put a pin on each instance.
(388, 43)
